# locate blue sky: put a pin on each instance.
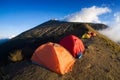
(17, 16)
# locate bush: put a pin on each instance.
(16, 56)
(3, 76)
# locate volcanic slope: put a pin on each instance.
(100, 61)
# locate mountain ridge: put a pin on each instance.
(51, 30)
(55, 23)
(100, 61)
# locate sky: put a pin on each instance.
(17, 16)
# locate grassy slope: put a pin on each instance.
(101, 61)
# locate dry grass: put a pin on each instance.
(100, 62)
(16, 56)
(107, 41)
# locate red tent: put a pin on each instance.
(73, 44)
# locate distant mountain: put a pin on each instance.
(4, 40)
(100, 61)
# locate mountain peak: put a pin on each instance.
(102, 56)
(50, 25)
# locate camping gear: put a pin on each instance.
(86, 36)
(89, 33)
(79, 55)
(93, 34)
(54, 57)
(73, 44)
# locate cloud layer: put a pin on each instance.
(117, 17)
(113, 32)
(93, 15)
(87, 15)
(9, 37)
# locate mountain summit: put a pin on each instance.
(101, 60)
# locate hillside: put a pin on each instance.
(101, 60)
(51, 30)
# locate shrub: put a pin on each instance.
(16, 56)
(3, 76)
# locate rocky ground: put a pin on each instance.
(100, 61)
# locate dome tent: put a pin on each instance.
(73, 44)
(86, 36)
(54, 57)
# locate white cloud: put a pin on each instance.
(12, 36)
(87, 15)
(113, 32)
(9, 37)
(92, 14)
(117, 17)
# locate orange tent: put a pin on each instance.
(54, 57)
(73, 44)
